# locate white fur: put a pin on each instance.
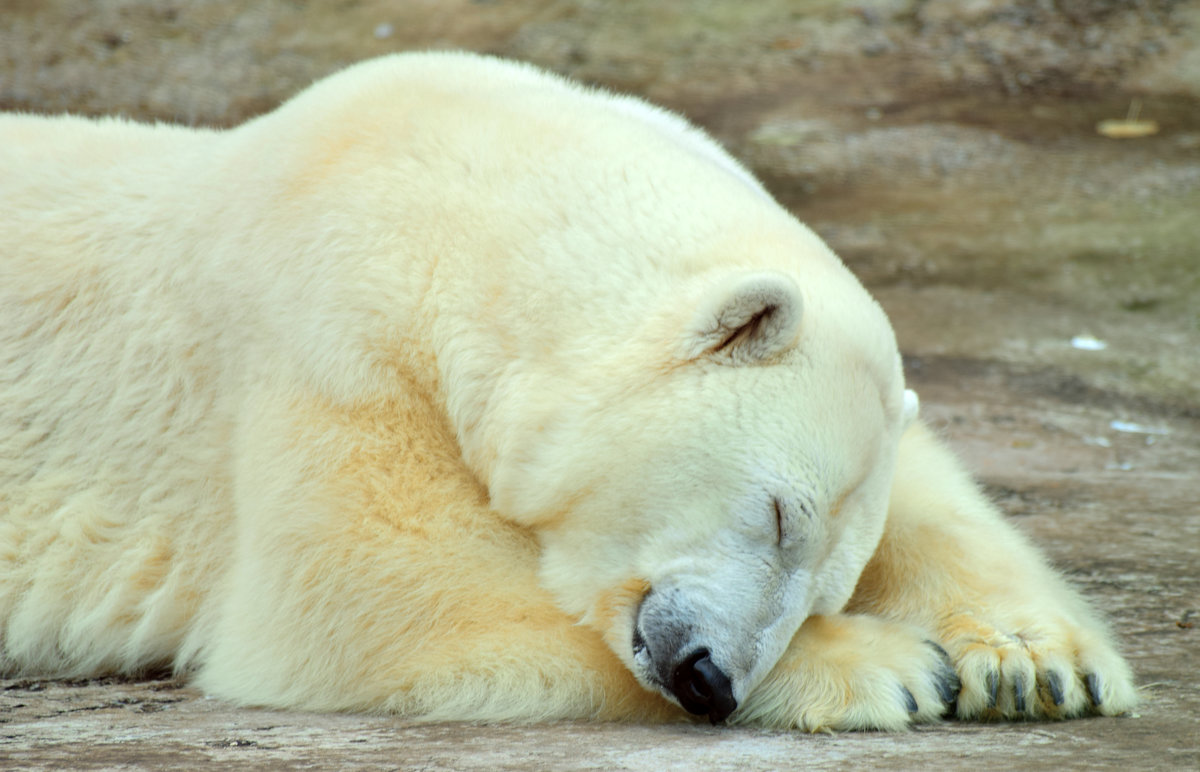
(368, 403)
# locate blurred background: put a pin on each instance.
(1018, 182)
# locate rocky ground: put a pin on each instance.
(1044, 280)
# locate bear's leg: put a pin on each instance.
(371, 575)
(1023, 642)
(853, 671)
(950, 584)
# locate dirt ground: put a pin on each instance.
(1044, 280)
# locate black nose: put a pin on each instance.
(702, 688)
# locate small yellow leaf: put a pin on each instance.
(1126, 129)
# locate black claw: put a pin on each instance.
(909, 700)
(946, 682)
(948, 690)
(993, 684)
(1019, 694)
(948, 686)
(1093, 685)
(941, 652)
(1054, 681)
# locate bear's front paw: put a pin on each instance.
(847, 672)
(1052, 671)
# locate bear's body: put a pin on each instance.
(455, 390)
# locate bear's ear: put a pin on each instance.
(912, 406)
(747, 319)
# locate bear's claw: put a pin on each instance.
(945, 655)
(946, 681)
(948, 688)
(1054, 684)
(1019, 694)
(1093, 686)
(993, 686)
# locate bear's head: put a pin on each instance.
(702, 486)
(696, 509)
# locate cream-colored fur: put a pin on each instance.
(455, 390)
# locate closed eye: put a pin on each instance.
(793, 521)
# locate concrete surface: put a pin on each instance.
(948, 151)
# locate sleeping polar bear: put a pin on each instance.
(455, 390)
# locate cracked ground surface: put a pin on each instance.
(948, 151)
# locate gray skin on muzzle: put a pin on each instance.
(679, 661)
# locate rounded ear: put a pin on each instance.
(747, 320)
(912, 406)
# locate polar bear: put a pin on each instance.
(455, 390)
